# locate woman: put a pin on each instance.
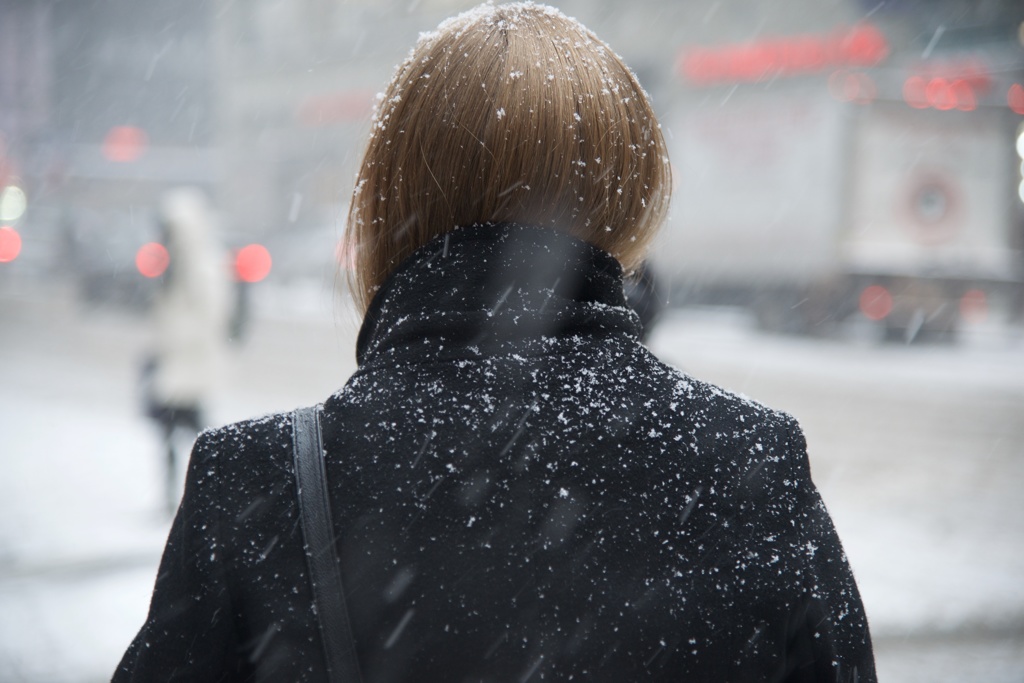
(190, 324)
(520, 490)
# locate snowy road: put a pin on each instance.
(919, 453)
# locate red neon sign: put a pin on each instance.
(861, 46)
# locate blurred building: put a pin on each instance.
(103, 106)
(832, 158)
(820, 147)
(298, 80)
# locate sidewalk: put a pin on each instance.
(82, 522)
(919, 455)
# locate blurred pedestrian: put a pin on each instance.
(520, 490)
(190, 322)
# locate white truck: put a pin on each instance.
(810, 210)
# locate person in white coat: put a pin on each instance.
(190, 320)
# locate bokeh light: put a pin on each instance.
(963, 93)
(913, 92)
(875, 302)
(13, 203)
(1015, 98)
(10, 244)
(940, 95)
(252, 263)
(974, 306)
(152, 259)
(124, 144)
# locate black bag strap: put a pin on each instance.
(321, 554)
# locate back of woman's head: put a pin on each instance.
(508, 113)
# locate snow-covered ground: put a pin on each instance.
(919, 453)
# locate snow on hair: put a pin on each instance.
(511, 113)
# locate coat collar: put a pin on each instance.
(494, 288)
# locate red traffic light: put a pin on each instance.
(252, 263)
(10, 244)
(152, 259)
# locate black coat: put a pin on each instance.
(521, 492)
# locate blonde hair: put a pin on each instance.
(508, 113)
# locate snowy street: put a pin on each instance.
(918, 452)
